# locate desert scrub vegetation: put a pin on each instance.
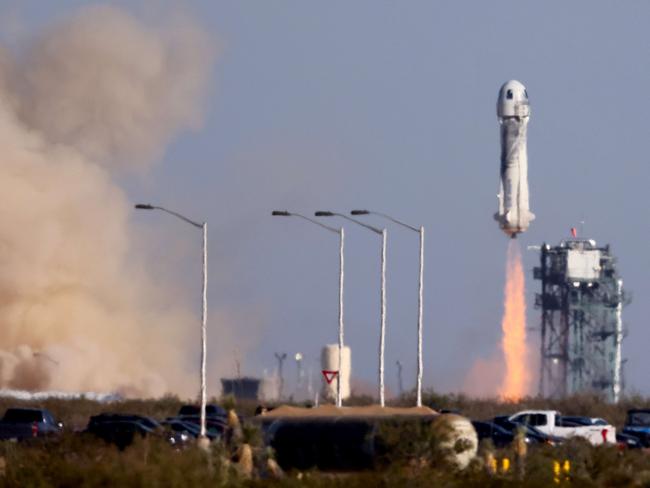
(76, 460)
(408, 456)
(82, 460)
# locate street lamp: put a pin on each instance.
(382, 330)
(204, 312)
(420, 292)
(341, 233)
(298, 357)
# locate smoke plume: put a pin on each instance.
(515, 351)
(96, 93)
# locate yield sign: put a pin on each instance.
(329, 375)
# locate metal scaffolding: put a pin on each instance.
(582, 330)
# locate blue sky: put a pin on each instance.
(391, 106)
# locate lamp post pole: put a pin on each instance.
(339, 397)
(204, 304)
(341, 233)
(204, 319)
(382, 329)
(280, 357)
(420, 231)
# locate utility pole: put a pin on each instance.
(280, 357)
(400, 384)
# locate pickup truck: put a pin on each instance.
(637, 424)
(552, 423)
(24, 423)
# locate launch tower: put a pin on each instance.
(582, 330)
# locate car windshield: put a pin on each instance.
(638, 418)
(489, 428)
(534, 431)
(498, 429)
(182, 426)
(149, 422)
(189, 410)
(210, 410)
(572, 421)
(534, 419)
(20, 415)
(123, 426)
(528, 429)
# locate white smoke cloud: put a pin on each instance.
(95, 93)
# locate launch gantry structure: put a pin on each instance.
(582, 330)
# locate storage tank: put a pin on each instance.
(329, 359)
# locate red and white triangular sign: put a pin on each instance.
(329, 375)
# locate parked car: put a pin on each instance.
(533, 435)
(552, 423)
(628, 441)
(190, 430)
(121, 429)
(211, 410)
(499, 436)
(119, 432)
(24, 423)
(637, 424)
(122, 417)
(215, 426)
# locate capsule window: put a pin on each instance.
(509, 94)
(526, 94)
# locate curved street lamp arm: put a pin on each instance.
(413, 228)
(362, 224)
(176, 214)
(314, 221)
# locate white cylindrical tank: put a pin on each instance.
(329, 360)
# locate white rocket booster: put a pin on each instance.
(513, 111)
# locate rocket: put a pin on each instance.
(513, 112)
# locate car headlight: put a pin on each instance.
(184, 437)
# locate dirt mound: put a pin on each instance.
(333, 411)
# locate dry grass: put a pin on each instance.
(80, 460)
(76, 460)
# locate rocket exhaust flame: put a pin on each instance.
(515, 351)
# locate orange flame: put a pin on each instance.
(515, 352)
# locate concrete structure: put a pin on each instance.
(582, 330)
(330, 362)
(241, 388)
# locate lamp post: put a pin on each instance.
(298, 357)
(204, 302)
(420, 293)
(382, 330)
(400, 383)
(341, 233)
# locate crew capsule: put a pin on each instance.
(513, 100)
